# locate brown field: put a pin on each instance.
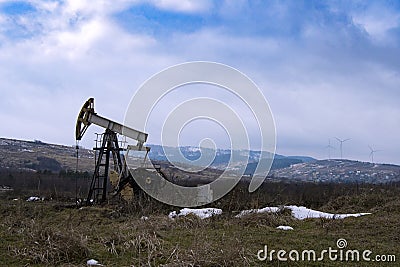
(52, 233)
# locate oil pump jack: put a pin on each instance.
(108, 149)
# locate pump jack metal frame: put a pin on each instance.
(98, 185)
(109, 148)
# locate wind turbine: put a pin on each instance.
(372, 153)
(329, 147)
(341, 145)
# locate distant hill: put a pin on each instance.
(39, 156)
(223, 156)
(338, 170)
(302, 158)
(278, 163)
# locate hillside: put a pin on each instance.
(141, 233)
(38, 156)
(50, 231)
(337, 170)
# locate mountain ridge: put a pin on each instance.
(36, 155)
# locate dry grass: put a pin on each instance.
(282, 217)
(50, 246)
(48, 234)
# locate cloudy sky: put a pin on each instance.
(327, 68)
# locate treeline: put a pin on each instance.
(46, 183)
(69, 184)
(311, 195)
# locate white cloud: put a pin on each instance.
(49, 76)
(78, 41)
(323, 83)
(100, 7)
(377, 22)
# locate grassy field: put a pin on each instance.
(48, 233)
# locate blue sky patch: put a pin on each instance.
(17, 8)
(149, 19)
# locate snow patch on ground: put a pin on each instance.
(31, 199)
(300, 212)
(201, 213)
(304, 213)
(93, 262)
(284, 227)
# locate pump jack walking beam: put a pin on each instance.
(87, 116)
